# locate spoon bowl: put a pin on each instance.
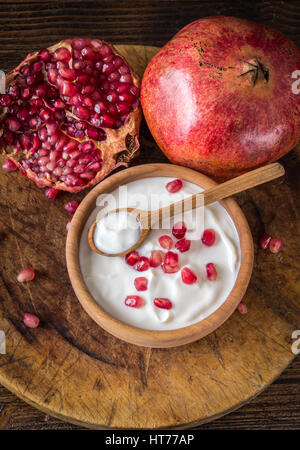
(145, 230)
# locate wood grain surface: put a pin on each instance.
(72, 338)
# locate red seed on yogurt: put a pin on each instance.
(170, 263)
(156, 258)
(163, 303)
(188, 276)
(174, 186)
(183, 245)
(208, 237)
(211, 272)
(134, 301)
(166, 242)
(179, 230)
(141, 283)
(142, 264)
(132, 258)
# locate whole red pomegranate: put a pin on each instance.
(218, 97)
(71, 114)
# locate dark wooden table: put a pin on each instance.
(27, 26)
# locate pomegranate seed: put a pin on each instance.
(66, 72)
(174, 186)
(134, 301)
(93, 133)
(166, 242)
(179, 230)
(208, 237)
(9, 166)
(141, 283)
(45, 55)
(37, 66)
(125, 78)
(264, 241)
(51, 193)
(171, 258)
(123, 108)
(132, 258)
(275, 245)
(78, 43)
(104, 51)
(9, 137)
(68, 89)
(26, 274)
(14, 91)
(188, 276)
(13, 124)
(170, 263)
(88, 53)
(87, 146)
(142, 264)
(59, 104)
(37, 102)
(5, 100)
(41, 90)
(242, 308)
(45, 114)
(163, 303)
(107, 121)
(62, 54)
(82, 112)
(71, 206)
(211, 272)
(30, 80)
(25, 93)
(31, 320)
(183, 245)
(156, 258)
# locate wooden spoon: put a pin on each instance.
(148, 218)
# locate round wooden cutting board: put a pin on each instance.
(72, 369)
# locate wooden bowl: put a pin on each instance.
(139, 336)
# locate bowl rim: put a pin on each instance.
(130, 333)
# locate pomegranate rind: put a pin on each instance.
(206, 107)
(118, 149)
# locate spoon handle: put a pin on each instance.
(221, 191)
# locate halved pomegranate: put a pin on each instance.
(71, 114)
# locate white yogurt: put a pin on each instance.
(117, 232)
(110, 279)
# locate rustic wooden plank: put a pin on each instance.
(276, 408)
